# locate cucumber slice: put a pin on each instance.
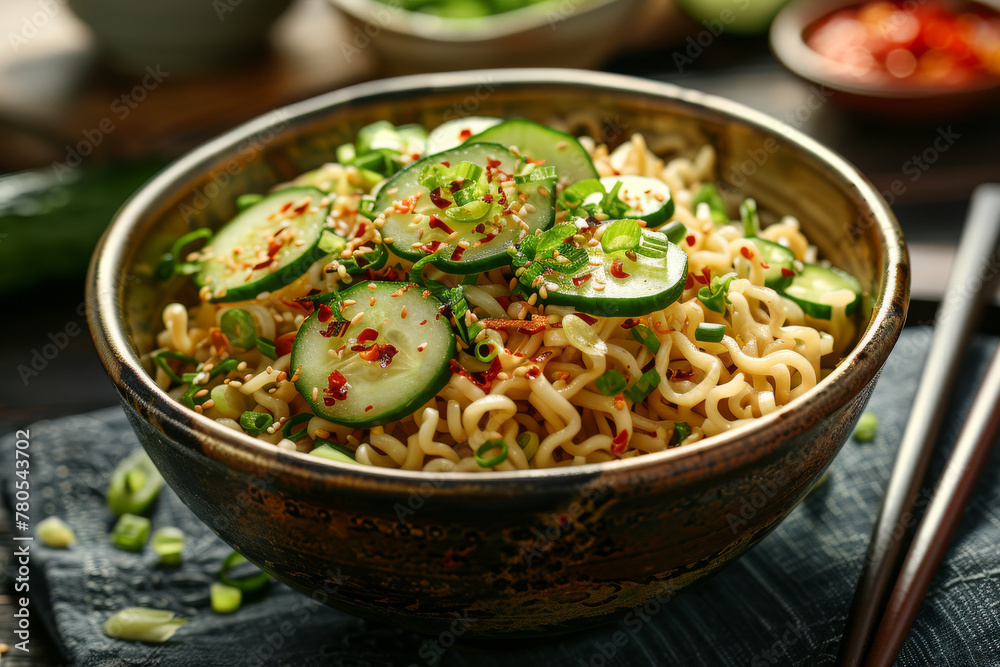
(481, 223)
(453, 133)
(779, 259)
(374, 394)
(538, 142)
(815, 282)
(620, 283)
(647, 198)
(266, 246)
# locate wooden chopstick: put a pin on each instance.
(955, 322)
(940, 520)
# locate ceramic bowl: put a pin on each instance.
(555, 33)
(519, 553)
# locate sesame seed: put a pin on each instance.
(371, 301)
(349, 302)
(422, 347)
(235, 384)
(208, 405)
(357, 318)
(242, 366)
(315, 391)
(543, 191)
(532, 299)
(402, 313)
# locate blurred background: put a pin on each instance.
(97, 95)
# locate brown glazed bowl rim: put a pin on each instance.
(706, 458)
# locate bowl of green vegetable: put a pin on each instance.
(443, 35)
(420, 520)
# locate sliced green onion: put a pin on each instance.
(346, 153)
(467, 195)
(124, 495)
(130, 532)
(643, 334)
(674, 231)
(239, 327)
(255, 423)
(612, 204)
(168, 543)
(139, 624)
(487, 446)
(528, 442)
(266, 347)
(621, 235)
(225, 598)
(708, 194)
(286, 429)
(575, 195)
(468, 172)
(225, 366)
(228, 401)
(244, 202)
(248, 584)
(611, 383)
(715, 297)
(867, 428)
(644, 386)
(334, 452)
(417, 270)
(366, 207)
(485, 351)
(708, 332)
(472, 212)
(751, 221)
(653, 245)
(160, 359)
(170, 264)
(681, 433)
(55, 533)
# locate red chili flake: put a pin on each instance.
(488, 198)
(689, 283)
(587, 318)
(503, 301)
(283, 343)
(465, 134)
(286, 207)
(369, 408)
(301, 208)
(438, 200)
(368, 334)
(369, 354)
(444, 311)
(579, 280)
(620, 443)
(787, 272)
(385, 355)
(492, 163)
(455, 186)
(360, 231)
(431, 247)
(335, 329)
(447, 164)
(765, 265)
(629, 323)
(438, 223)
(423, 323)
(690, 239)
(219, 339)
(746, 252)
(325, 313)
(406, 205)
(483, 379)
(617, 269)
(457, 255)
(681, 374)
(533, 372)
(701, 280)
(336, 390)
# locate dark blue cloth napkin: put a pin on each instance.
(784, 603)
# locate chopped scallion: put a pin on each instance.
(168, 543)
(528, 442)
(334, 452)
(55, 533)
(710, 333)
(681, 432)
(130, 532)
(867, 428)
(126, 493)
(751, 221)
(239, 327)
(486, 351)
(160, 359)
(490, 445)
(611, 383)
(247, 584)
(645, 335)
(139, 624)
(621, 235)
(644, 386)
(225, 599)
(266, 347)
(286, 429)
(255, 423)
